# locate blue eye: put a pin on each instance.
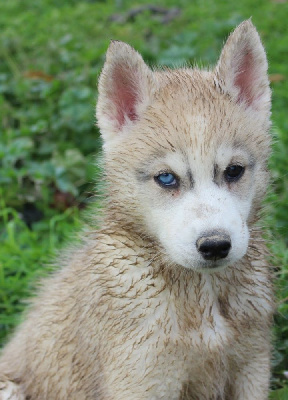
(167, 179)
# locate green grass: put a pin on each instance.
(26, 255)
(50, 59)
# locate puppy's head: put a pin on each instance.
(186, 150)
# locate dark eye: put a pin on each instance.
(233, 172)
(166, 179)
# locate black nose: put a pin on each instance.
(214, 245)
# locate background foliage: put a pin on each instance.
(51, 54)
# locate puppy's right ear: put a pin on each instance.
(125, 90)
(241, 71)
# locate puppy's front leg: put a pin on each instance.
(251, 380)
(10, 390)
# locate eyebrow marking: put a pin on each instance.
(251, 159)
(216, 174)
(143, 175)
(190, 177)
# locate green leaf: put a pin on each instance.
(280, 394)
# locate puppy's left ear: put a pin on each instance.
(126, 87)
(242, 68)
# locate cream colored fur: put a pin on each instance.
(136, 313)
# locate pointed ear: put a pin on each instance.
(125, 89)
(242, 68)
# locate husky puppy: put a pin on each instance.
(171, 298)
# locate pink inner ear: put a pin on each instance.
(124, 95)
(246, 78)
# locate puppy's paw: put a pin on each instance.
(10, 390)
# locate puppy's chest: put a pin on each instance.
(198, 321)
(191, 316)
(186, 319)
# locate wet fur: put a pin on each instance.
(123, 318)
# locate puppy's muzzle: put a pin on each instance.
(214, 245)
